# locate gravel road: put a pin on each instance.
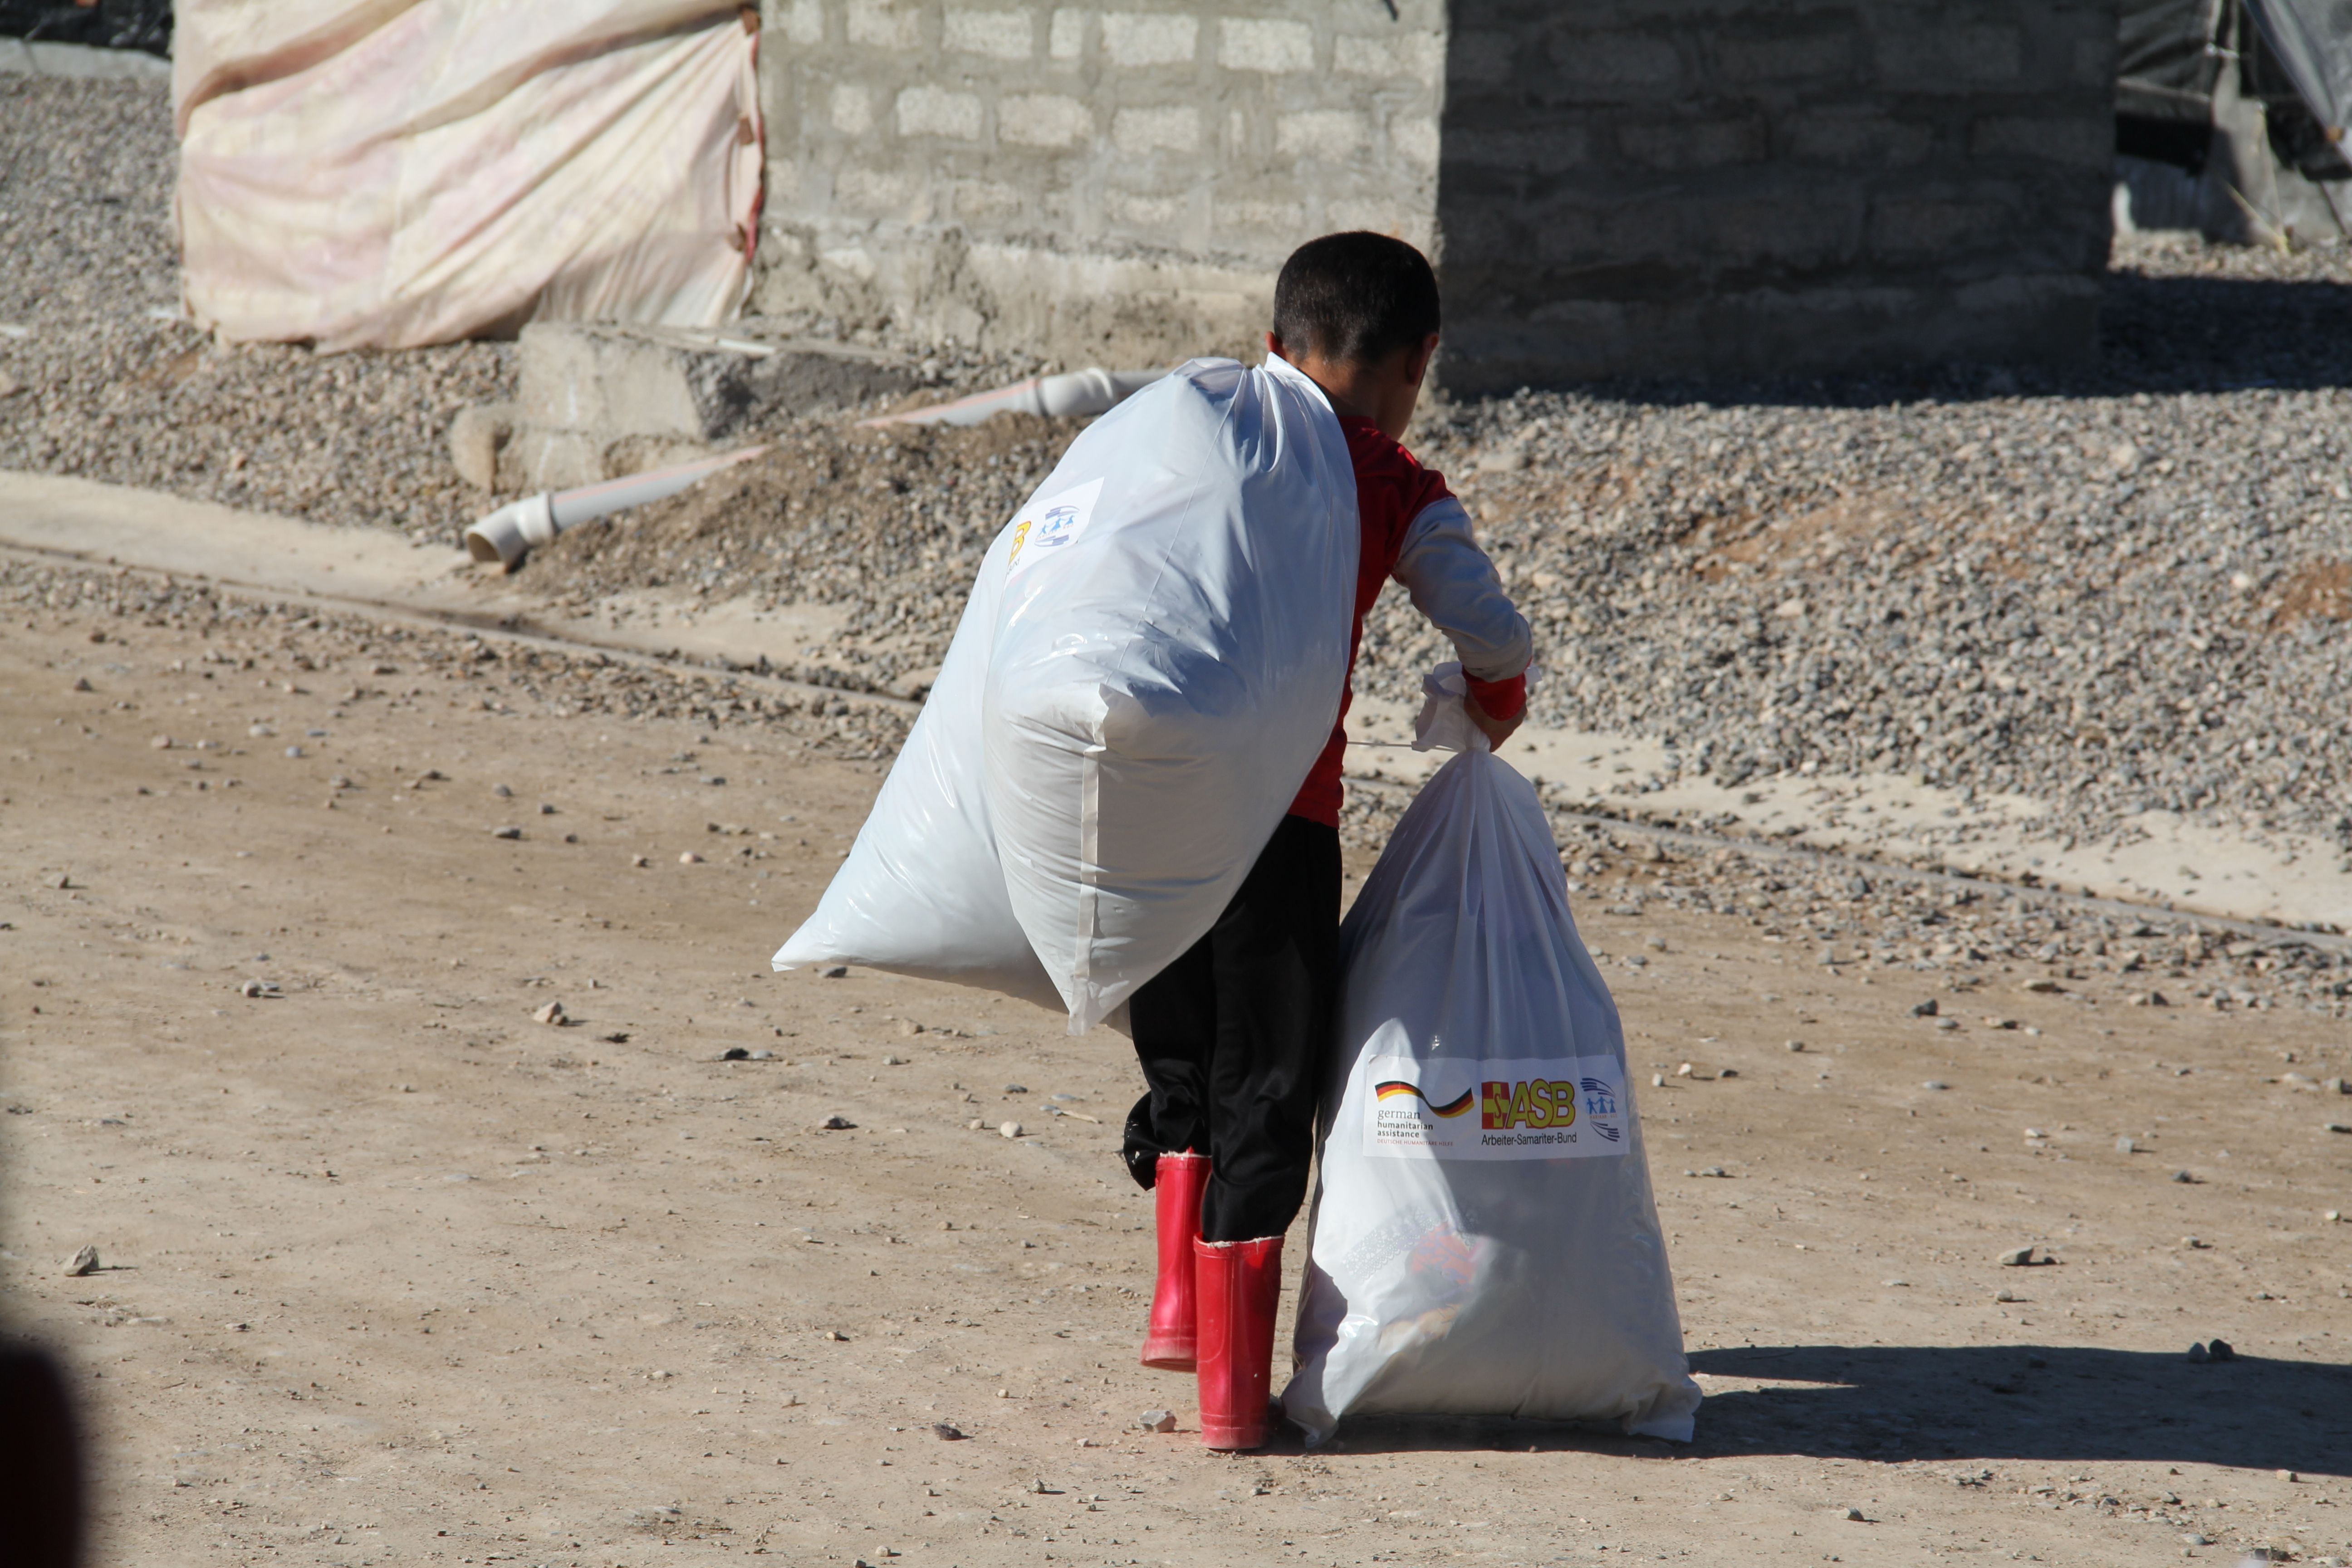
(1825, 910)
(2118, 591)
(1996, 582)
(392, 1263)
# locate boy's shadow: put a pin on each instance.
(2066, 1404)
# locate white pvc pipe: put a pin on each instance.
(1074, 395)
(508, 534)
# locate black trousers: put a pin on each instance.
(1234, 1035)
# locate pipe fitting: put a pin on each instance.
(508, 535)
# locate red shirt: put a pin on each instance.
(1391, 490)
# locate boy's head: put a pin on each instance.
(1359, 313)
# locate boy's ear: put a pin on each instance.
(1420, 358)
(1274, 346)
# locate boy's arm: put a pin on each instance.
(1453, 583)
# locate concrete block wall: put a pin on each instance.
(1103, 184)
(1751, 186)
(1608, 186)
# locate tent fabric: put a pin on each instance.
(2311, 40)
(2170, 55)
(2165, 62)
(387, 173)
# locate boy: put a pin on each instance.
(1233, 1036)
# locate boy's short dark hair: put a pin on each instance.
(1355, 298)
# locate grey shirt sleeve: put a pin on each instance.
(1453, 583)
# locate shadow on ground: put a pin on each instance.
(2216, 335)
(1892, 1403)
(2157, 335)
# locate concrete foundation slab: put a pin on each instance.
(79, 62)
(599, 401)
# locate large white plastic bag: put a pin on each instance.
(1484, 1240)
(1151, 660)
(1168, 663)
(920, 892)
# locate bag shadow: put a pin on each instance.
(1960, 1405)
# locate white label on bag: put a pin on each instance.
(1051, 525)
(1530, 1108)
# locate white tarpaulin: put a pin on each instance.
(381, 174)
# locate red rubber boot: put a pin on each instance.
(1176, 1190)
(1240, 1283)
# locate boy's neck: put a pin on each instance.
(1384, 391)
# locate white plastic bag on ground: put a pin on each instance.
(1151, 660)
(1485, 1241)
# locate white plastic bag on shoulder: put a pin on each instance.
(921, 891)
(1483, 1236)
(1151, 660)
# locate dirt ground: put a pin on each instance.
(417, 1277)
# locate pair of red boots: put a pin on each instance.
(1212, 1310)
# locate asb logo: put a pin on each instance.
(1057, 527)
(1394, 1088)
(1505, 1103)
(1530, 1108)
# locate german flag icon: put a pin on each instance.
(1393, 1086)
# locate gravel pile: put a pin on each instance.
(1971, 933)
(2115, 593)
(100, 377)
(108, 382)
(2118, 591)
(891, 523)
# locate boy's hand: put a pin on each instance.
(1496, 731)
